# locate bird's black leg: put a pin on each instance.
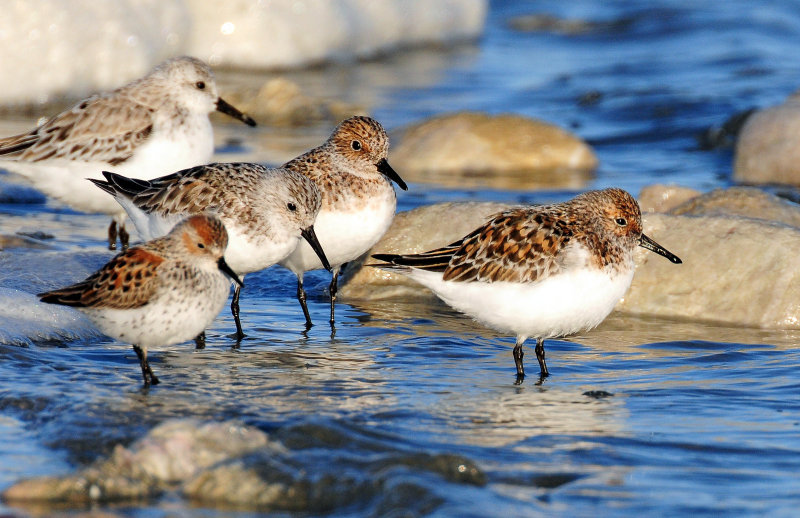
(147, 372)
(200, 341)
(235, 311)
(112, 235)
(540, 356)
(518, 354)
(333, 288)
(124, 237)
(301, 296)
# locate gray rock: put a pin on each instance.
(502, 151)
(768, 148)
(171, 453)
(662, 198)
(735, 270)
(746, 202)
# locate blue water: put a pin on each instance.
(641, 416)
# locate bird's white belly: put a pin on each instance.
(174, 317)
(162, 154)
(561, 305)
(344, 236)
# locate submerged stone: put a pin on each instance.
(230, 465)
(168, 455)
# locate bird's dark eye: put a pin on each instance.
(292, 206)
(200, 245)
(621, 222)
(356, 145)
(200, 85)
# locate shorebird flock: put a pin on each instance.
(538, 272)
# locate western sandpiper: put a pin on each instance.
(154, 125)
(266, 211)
(544, 271)
(358, 201)
(162, 292)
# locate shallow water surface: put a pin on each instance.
(641, 415)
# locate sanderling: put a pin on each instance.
(266, 211)
(358, 201)
(155, 125)
(162, 292)
(544, 271)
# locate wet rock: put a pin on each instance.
(747, 202)
(22, 241)
(169, 454)
(732, 273)
(597, 394)
(768, 149)
(502, 151)
(269, 481)
(723, 278)
(280, 102)
(265, 481)
(571, 27)
(229, 465)
(662, 198)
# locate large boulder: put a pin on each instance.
(768, 149)
(747, 202)
(662, 198)
(501, 151)
(736, 271)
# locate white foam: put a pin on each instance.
(76, 47)
(25, 320)
(50, 48)
(289, 33)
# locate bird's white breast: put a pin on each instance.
(344, 235)
(174, 315)
(561, 305)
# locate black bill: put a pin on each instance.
(310, 236)
(646, 242)
(224, 268)
(227, 109)
(386, 170)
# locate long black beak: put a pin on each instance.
(223, 266)
(227, 109)
(386, 170)
(310, 236)
(646, 242)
